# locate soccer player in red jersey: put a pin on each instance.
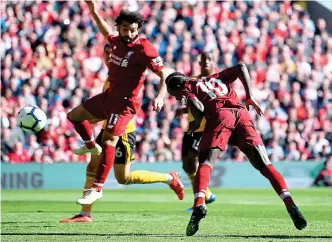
(227, 121)
(122, 164)
(131, 56)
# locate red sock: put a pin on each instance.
(84, 130)
(201, 183)
(278, 183)
(105, 166)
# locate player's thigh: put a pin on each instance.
(218, 131)
(123, 156)
(80, 113)
(245, 133)
(95, 108)
(125, 149)
(257, 156)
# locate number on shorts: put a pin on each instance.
(112, 121)
(118, 152)
(195, 144)
(214, 88)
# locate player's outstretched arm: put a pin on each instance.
(158, 102)
(103, 27)
(197, 110)
(240, 71)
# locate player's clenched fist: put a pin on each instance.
(91, 4)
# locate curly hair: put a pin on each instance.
(131, 17)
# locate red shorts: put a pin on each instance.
(230, 125)
(117, 111)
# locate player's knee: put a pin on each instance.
(74, 114)
(122, 179)
(209, 156)
(241, 65)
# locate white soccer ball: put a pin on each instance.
(31, 119)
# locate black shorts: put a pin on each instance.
(124, 148)
(190, 143)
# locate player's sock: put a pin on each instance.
(191, 177)
(202, 180)
(145, 177)
(208, 193)
(105, 166)
(84, 130)
(278, 183)
(88, 214)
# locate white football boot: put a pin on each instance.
(96, 150)
(90, 196)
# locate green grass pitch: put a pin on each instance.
(157, 215)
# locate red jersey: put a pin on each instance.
(212, 91)
(128, 64)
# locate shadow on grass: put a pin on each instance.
(180, 235)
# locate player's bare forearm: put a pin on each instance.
(162, 88)
(197, 110)
(181, 111)
(103, 27)
(240, 71)
(244, 77)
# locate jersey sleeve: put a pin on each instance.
(154, 61)
(110, 38)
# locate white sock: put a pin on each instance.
(169, 178)
(85, 214)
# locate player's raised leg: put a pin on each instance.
(80, 117)
(124, 155)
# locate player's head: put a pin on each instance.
(128, 23)
(206, 62)
(107, 54)
(175, 83)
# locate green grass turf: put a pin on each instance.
(157, 215)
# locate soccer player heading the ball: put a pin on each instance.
(227, 121)
(130, 57)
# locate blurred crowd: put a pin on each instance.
(51, 56)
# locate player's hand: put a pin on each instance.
(193, 126)
(91, 4)
(252, 102)
(158, 103)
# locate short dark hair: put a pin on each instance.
(131, 17)
(176, 80)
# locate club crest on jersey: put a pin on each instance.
(129, 54)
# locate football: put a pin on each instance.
(31, 119)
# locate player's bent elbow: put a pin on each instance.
(241, 65)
